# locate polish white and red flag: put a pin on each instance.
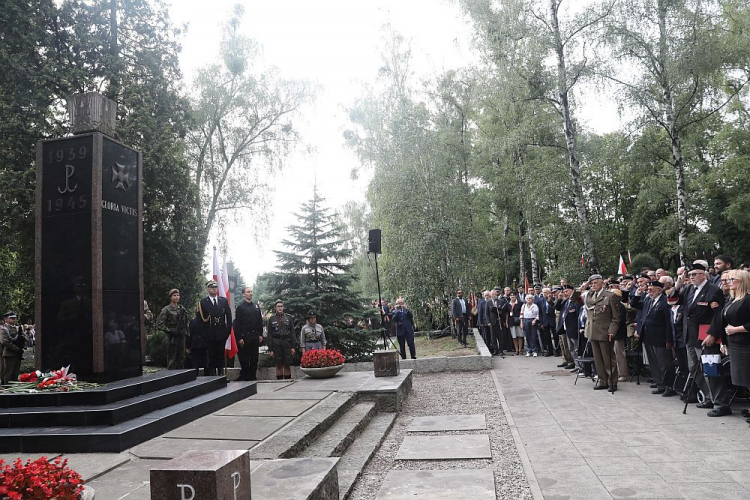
(621, 269)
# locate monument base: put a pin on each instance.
(386, 363)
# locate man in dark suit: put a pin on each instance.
(403, 318)
(655, 332)
(249, 332)
(701, 301)
(547, 321)
(460, 310)
(602, 324)
(497, 311)
(567, 328)
(482, 320)
(216, 317)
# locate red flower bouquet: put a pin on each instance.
(61, 380)
(39, 480)
(321, 358)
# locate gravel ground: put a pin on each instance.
(447, 394)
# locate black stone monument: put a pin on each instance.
(89, 248)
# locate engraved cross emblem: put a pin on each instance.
(121, 175)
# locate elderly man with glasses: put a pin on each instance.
(702, 300)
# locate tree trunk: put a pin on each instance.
(114, 52)
(571, 142)
(521, 237)
(532, 252)
(506, 251)
(674, 134)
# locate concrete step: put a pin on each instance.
(291, 439)
(359, 454)
(295, 479)
(338, 437)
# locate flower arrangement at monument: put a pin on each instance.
(61, 380)
(321, 358)
(39, 480)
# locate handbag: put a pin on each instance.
(711, 365)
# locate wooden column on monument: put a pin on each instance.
(89, 248)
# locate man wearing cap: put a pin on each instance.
(697, 299)
(311, 335)
(12, 343)
(248, 329)
(460, 309)
(602, 324)
(173, 320)
(216, 317)
(655, 332)
(281, 340)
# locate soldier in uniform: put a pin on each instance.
(216, 317)
(173, 320)
(281, 341)
(12, 343)
(312, 336)
(602, 324)
(248, 327)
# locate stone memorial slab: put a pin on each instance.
(476, 484)
(296, 479)
(239, 428)
(203, 475)
(386, 363)
(439, 423)
(267, 408)
(167, 448)
(93, 465)
(444, 447)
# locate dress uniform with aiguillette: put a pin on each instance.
(216, 317)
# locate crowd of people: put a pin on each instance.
(680, 327)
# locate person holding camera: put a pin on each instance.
(12, 343)
(403, 318)
(173, 320)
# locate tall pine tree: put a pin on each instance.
(314, 274)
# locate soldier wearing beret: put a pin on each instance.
(281, 340)
(173, 320)
(216, 318)
(12, 343)
(602, 324)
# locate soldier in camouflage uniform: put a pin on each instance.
(173, 320)
(12, 343)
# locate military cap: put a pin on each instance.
(211, 283)
(656, 283)
(595, 277)
(556, 288)
(172, 292)
(568, 287)
(628, 277)
(9, 314)
(498, 289)
(699, 265)
(537, 287)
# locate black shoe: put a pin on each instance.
(692, 399)
(720, 411)
(562, 365)
(653, 386)
(570, 366)
(658, 390)
(669, 392)
(745, 413)
(612, 389)
(706, 405)
(600, 387)
(650, 381)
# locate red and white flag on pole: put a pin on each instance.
(216, 271)
(230, 347)
(621, 269)
(630, 259)
(224, 283)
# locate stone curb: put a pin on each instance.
(536, 491)
(477, 362)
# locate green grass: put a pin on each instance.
(446, 346)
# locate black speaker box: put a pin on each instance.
(373, 241)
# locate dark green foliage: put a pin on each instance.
(313, 275)
(641, 261)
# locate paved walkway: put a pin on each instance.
(582, 443)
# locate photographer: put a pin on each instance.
(12, 342)
(403, 318)
(173, 321)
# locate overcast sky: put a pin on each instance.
(336, 44)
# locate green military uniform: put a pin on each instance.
(174, 321)
(12, 341)
(281, 338)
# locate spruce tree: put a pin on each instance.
(314, 274)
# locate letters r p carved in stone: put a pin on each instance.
(203, 475)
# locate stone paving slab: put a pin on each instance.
(282, 394)
(437, 423)
(267, 408)
(169, 448)
(582, 443)
(449, 447)
(9, 458)
(268, 387)
(130, 481)
(474, 484)
(296, 479)
(240, 428)
(93, 465)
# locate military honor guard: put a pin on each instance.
(173, 320)
(12, 344)
(216, 319)
(281, 340)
